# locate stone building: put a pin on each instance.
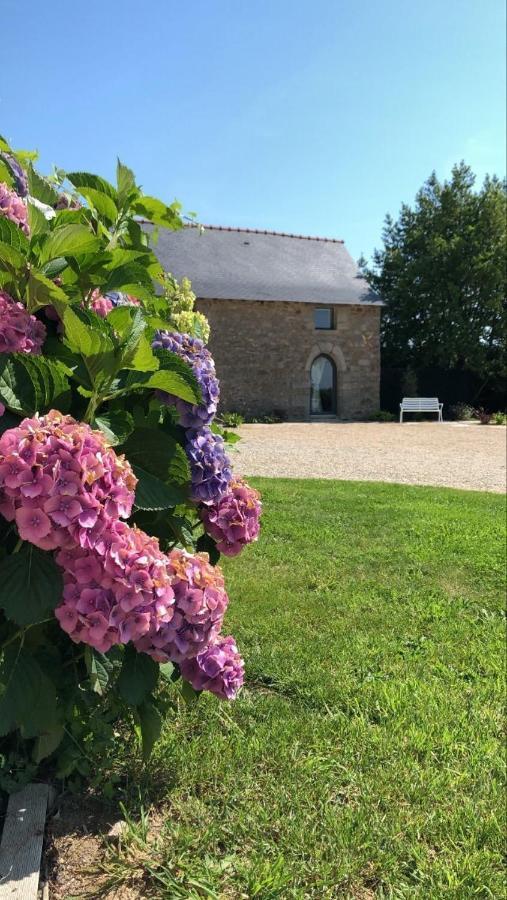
(294, 327)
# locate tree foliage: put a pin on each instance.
(441, 273)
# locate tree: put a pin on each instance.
(442, 275)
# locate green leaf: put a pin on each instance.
(150, 722)
(116, 425)
(30, 384)
(5, 174)
(189, 694)
(30, 585)
(98, 667)
(158, 453)
(142, 358)
(47, 743)
(154, 494)
(68, 240)
(40, 188)
(105, 206)
(12, 257)
(157, 212)
(126, 182)
(13, 236)
(42, 291)
(95, 182)
(138, 676)
(37, 220)
(18, 389)
(28, 701)
(167, 670)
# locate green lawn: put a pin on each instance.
(364, 758)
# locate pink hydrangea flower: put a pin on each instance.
(200, 602)
(117, 592)
(13, 208)
(233, 519)
(101, 305)
(61, 482)
(19, 331)
(219, 669)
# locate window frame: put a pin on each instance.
(328, 309)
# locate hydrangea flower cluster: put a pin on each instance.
(20, 179)
(119, 298)
(233, 520)
(61, 482)
(20, 332)
(210, 466)
(117, 592)
(219, 669)
(200, 601)
(193, 351)
(13, 208)
(103, 304)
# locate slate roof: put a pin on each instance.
(244, 264)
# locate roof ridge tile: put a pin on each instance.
(300, 237)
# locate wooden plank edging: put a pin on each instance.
(21, 846)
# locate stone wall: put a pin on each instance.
(263, 352)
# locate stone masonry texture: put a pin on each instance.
(263, 353)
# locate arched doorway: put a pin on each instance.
(323, 387)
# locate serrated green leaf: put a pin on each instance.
(37, 220)
(40, 188)
(13, 236)
(98, 667)
(138, 676)
(95, 182)
(18, 389)
(116, 425)
(12, 257)
(126, 182)
(157, 212)
(142, 358)
(68, 240)
(157, 453)
(102, 203)
(42, 291)
(30, 585)
(154, 494)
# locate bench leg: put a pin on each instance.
(401, 416)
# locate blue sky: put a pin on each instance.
(310, 116)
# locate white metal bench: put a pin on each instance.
(421, 404)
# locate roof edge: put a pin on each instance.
(288, 234)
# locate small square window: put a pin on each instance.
(323, 318)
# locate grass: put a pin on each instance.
(364, 758)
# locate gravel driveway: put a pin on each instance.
(452, 454)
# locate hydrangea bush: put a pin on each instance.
(117, 494)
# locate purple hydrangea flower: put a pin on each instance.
(233, 521)
(209, 465)
(193, 351)
(20, 179)
(119, 298)
(219, 669)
